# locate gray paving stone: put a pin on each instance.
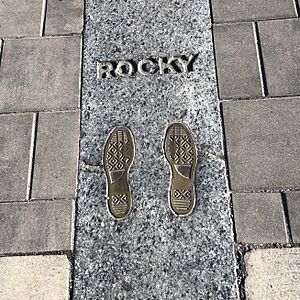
(34, 277)
(64, 16)
(248, 10)
(39, 226)
(273, 274)
(15, 142)
(237, 61)
(280, 42)
(20, 18)
(40, 74)
(293, 204)
(152, 254)
(263, 143)
(56, 156)
(259, 218)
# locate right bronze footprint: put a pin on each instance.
(181, 154)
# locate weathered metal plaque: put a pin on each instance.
(118, 158)
(181, 154)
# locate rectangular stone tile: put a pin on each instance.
(273, 274)
(40, 74)
(64, 17)
(34, 277)
(152, 254)
(259, 218)
(263, 143)
(38, 226)
(56, 155)
(293, 204)
(15, 143)
(237, 61)
(248, 10)
(20, 18)
(280, 42)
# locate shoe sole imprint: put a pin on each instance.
(119, 153)
(181, 154)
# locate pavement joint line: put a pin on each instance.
(39, 111)
(256, 20)
(79, 165)
(32, 155)
(283, 190)
(64, 35)
(260, 62)
(244, 248)
(214, 51)
(286, 218)
(46, 253)
(36, 200)
(297, 9)
(1, 50)
(260, 98)
(224, 145)
(43, 18)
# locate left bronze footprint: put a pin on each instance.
(119, 153)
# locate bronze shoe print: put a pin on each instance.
(118, 157)
(181, 154)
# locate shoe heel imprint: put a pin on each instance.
(181, 154)
(118, 157)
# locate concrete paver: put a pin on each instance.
(40, 74)
(259, 218)
(15, 143)
(34, 277)
(56, 159)
(20, 18)
(39, 226)
(280, 41)
(263, 143)
(237, 61)
(64, 17)
(293, 204)
(245, 10)
(273, 274)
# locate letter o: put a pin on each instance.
(152, 66)
(124, 63)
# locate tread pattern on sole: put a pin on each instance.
(184, 154)
(120, 203)
(117, 155)
(181, 154)
(182, 199)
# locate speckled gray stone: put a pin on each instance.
(152, 254)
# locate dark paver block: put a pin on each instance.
(259, 218)
(293, 204)
(263, 143)
(64, 16)
(237, 61)
(246, 10)
(55, 169)
(40, 74)
(280, 41)
(36, 226)
(20, 17)
(15, 142)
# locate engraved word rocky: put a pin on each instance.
(146, 66)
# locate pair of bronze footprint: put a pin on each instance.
(180, 152)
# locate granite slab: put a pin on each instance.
(152, 254)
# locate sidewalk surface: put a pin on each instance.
(241, 101)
